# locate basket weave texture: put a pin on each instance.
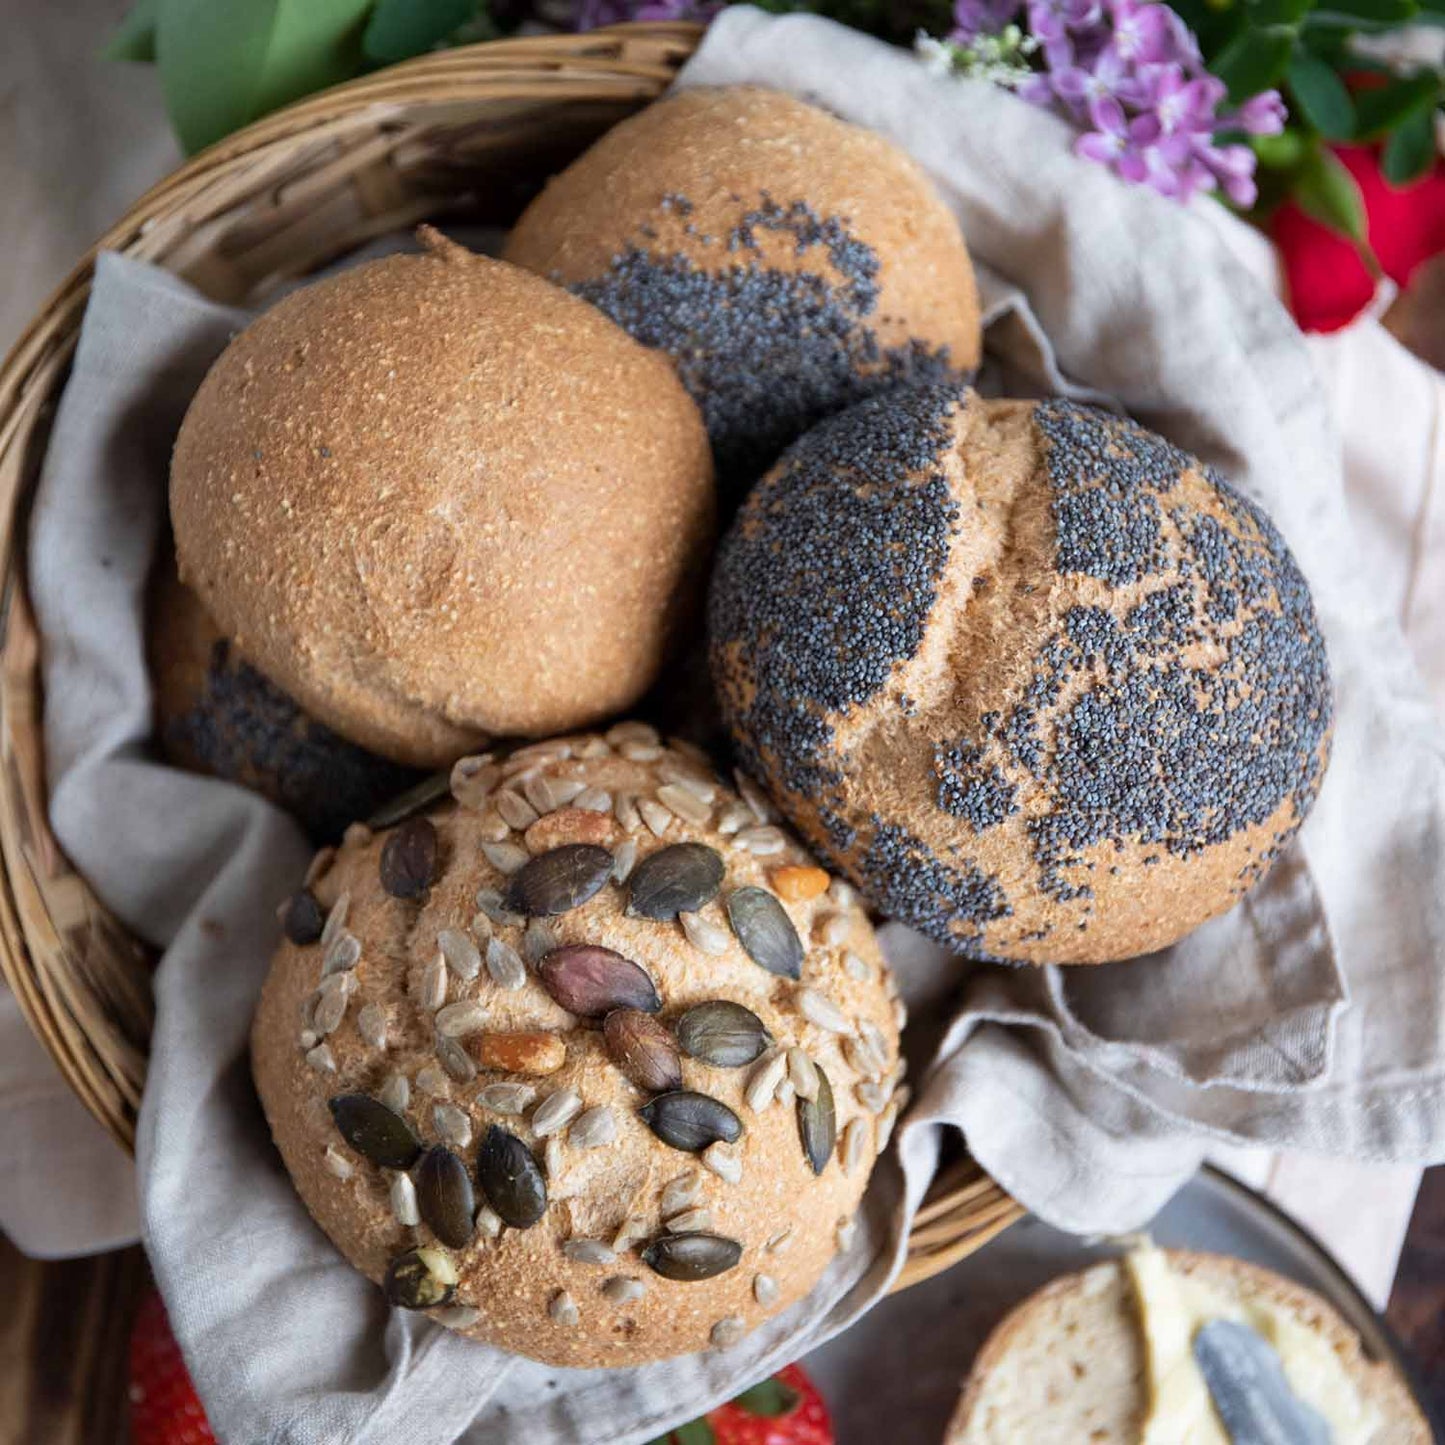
(472, 132)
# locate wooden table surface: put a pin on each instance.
(63, 1332)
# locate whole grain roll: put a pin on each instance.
(1060, 698)
(215, 714)
(787, 261)
(649, 1050)
(434, 498)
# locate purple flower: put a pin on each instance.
(592, 13)
(1261, 114)
(972, 18)
(1110, 77)
(1182, 102)
(1143, 34)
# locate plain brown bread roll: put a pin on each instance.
(788, 262)
(1057, 696)
(435, 498)
(667, 1190)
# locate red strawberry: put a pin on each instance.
(164, 1409)
(786, 1410)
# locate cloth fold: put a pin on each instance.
(1310, 1016)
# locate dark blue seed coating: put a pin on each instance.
(972, 789)
(246, 730)
(764, 352)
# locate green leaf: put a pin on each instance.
(1327, 191)
(135, 36)
(224, 63)
(1321, 95)
(399, 29)
(768, 1397)
(1278, 12)
(1410, 151)
(695, 1432)
(1368, 15)
(1252, 62)
(1282, 152)
(1382, 109)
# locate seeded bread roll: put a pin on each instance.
(787, 261)
(1060, 699)
(617, 1165)
(435, 498)
(215, 714)
(1069, 1363)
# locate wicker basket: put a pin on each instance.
(469, 131)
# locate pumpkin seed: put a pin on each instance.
(511, 1179)
(403, 1200)
(395, 1093)
(723, 1162)
(454, 1059)
(589, 1251)
(555, 1112)
(538, 941)
(803, 1073)
(409, 858)
(722, 1033)
(623, 1291)
(563, 1309)
(472, 780)
(420, 1279)
(505, 857)
(371, 1025)
(691, 1257)
(444, 1196)
(375, 1131)
(342, 953)
(819, 1009)
(765, 1290)
(559, 879)
(690, 1221)
(420, 795)
(516, 811)
(643, 1049)
(463, 956)
(690, 1121)
(489, 900)
(457, 1020)
(593, 1128)
(763, 1082)
(454, 1125)
(301, 919)
(765, 931)
(818, 1125)
(703, 934)
(680, 1193)
(337, 1163)
(504, 965)
(591, 981)
(624, 859)
(680, 878)
(507, 1098)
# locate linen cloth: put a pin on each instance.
(1090, 1095)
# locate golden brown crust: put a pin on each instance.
(436, 498)
(514, 1280)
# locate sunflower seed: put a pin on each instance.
(846, 1233)
(539, 797)
(403, 1200)
(723, 1162)
(507, 1098)
(854, 1146)
(453, 1125)
(472, 780)
(818, 1125)
(640, 752)
(336, 918)
(457, 1020)
(873, 1097)
(690, 1221)
(356, 835)
(444, 1196)
(395, 1093)
(331, 1001)
(505, 857)
(632, 731)
(855, 968)
(491, 904)
(431, 1080)
(704, 935)
(488, 1221)
(753, 796)
(593, 1129)
(300, 918)
(834, 930)
(492, 827)
(591, 981)
(781, 1242)
(594, 747)
(589, 1251)
(567, 790)
(728, 1331)
(516, 811)
(371, 1025)
(553, 1160)
(766, 842)
(681, 1193)
(868, 1052)
(886, 1122)
(409, 858)
(593, 800)
(803, 1073)
(623, 1291)
(819, 1009)
(374, 1131)
(786, 1093)
(764, 1080)
(690, 1121)
(900, 1015)
(692, 1256)
(431, 985)
(722, 1033)
(559, 880)
(307, 1039)
(511, 1179)
(765, 931)
(549, 750)
(337, 1163)
(461, 953)
(458, 1317)
(322, 1059)
(655, 815)
(631, 1231)
(555, 1112)
(538, 941)
(733, 818)
(624, 809)
(319, 867)
(686, 805)
(504, 965)
(562, 1309)
(765, 1290)
(843, 894)
(342, 953)
(420, 1279)
(676, 775)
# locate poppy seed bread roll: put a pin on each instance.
(435, 498)
(787, 261)
(1061, 697)
(614, 1057)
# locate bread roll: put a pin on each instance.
(788, 262)
(738, 971)
(1058, 697)
(435, 498)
